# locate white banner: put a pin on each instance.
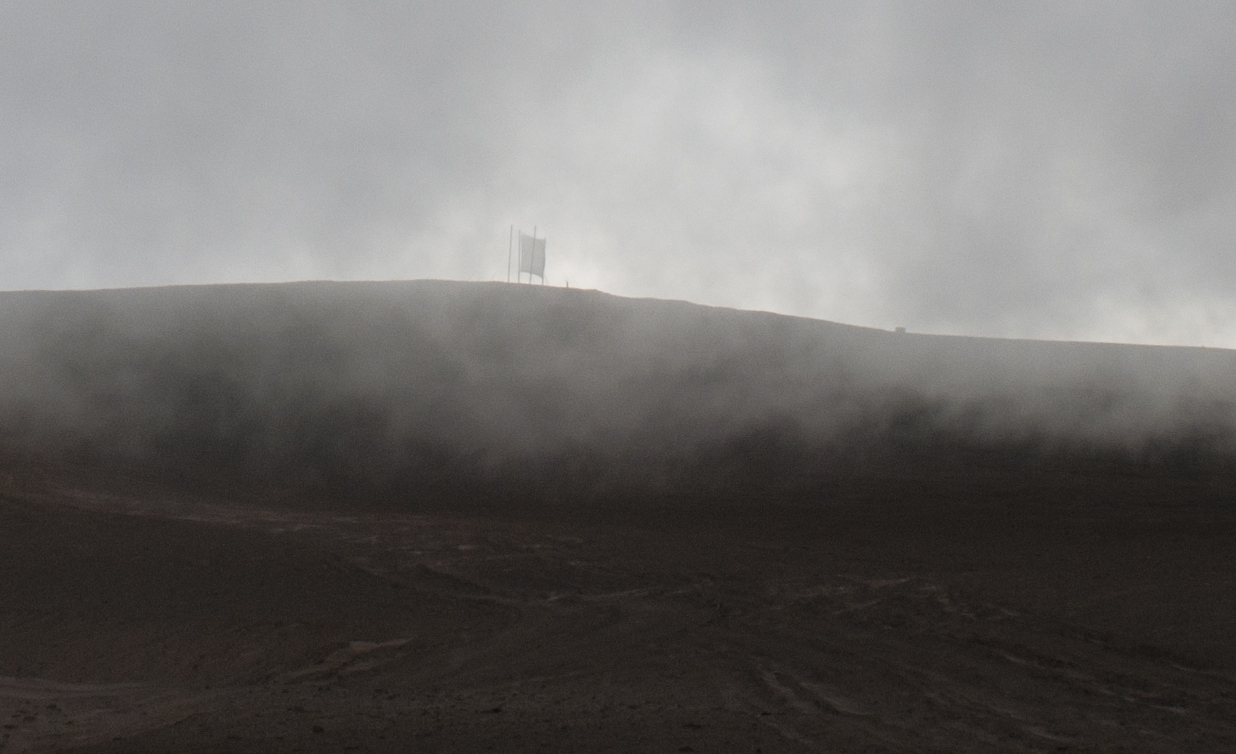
(532, 255)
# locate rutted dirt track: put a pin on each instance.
(141, 622)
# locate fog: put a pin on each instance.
(426, 387)
(1055, 170)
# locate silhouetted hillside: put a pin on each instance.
(427, 388)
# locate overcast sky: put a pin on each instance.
(1063, 170)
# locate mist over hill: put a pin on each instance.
(428, 387)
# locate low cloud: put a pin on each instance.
(1056, 170)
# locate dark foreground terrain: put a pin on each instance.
(437, 517)
(1007, 608)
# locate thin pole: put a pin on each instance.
(532, 261)
(509, 246)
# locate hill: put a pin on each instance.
(424, 389)
(462, 517)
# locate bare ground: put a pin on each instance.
(1059, 609)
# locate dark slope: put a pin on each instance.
(1022, 613)
(425, 389)
(312, 518)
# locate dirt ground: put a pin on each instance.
(1063, 608)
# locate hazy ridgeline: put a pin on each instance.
(430, 387)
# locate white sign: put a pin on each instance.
(532, 255)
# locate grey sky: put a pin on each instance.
(1024, 169)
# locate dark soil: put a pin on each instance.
(945, 605)
(447, 517)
